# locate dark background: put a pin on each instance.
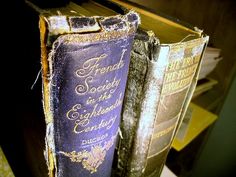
(22, 125)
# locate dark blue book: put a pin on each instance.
(85, 61)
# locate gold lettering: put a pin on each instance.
(72, 114)
(92, 66)
(180, 74)
(83, 89)
(107, 124)
(177, 85)
(104, 96)
(82, 117)
(91, 100)
(94, 140)
(89, 66)
(187, 61)
(175, 65)
(88, 89)
(163, 132)
(110, 68)
(96, 93)
(170, 77)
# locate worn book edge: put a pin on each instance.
(192, 86)
(131, 20)
(143, 137)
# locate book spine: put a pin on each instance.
(166, 82)
(177, 86)
(135, 90)
(146, 122)
(192, 86)
(84, 78)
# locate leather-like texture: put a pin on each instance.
(76, 120)
(160, 84)
(84, 77)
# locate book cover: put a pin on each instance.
(85, 61)
(165, 64)
(157, 94)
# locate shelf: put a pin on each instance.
(204, 85)
(209, 100)
(200, 120)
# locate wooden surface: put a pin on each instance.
(201, 119)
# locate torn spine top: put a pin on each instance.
(105, 37)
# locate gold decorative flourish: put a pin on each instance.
(92, 159)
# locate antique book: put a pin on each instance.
(85, 61)
(164, 68)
